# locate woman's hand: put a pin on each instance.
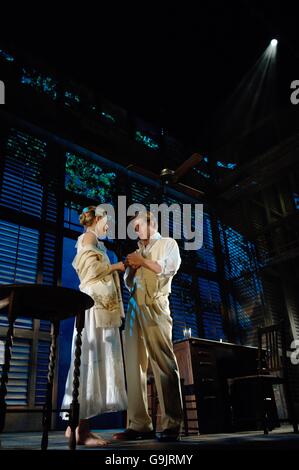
(118, 267)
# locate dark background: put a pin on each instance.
(172, 65)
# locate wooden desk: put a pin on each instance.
(206, 366)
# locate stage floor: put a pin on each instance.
(279, 439)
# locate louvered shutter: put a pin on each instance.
(246, 291)
(27, 252)
(43, 351)
(18, 377)
(205, 255)
(210, 303)
(22, 187)
(182, 304)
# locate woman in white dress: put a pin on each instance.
(102, 382)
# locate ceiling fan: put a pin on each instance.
(171, 178)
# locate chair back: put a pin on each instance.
(272, 352)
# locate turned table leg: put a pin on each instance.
(7, 358)
(47, 409)
(75, 406)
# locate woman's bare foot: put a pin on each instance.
(68, 432)
(87, 438)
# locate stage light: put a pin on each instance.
(274, 42)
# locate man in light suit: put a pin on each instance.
(148, 333)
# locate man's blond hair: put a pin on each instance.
(149, 217)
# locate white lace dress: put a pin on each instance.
(102, 382)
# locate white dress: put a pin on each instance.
(102, 381)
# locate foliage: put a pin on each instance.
(88, 179)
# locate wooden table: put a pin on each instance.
(45, 303)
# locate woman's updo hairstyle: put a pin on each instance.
(88, 215)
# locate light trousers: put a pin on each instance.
(148, 338)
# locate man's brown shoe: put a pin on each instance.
(131, 435)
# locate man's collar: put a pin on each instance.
(155, 236)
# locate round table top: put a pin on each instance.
(46, 302)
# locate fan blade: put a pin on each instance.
(187, 165)
(196, 193)
(144, 172)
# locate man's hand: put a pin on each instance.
(134, 260)
(134, 267)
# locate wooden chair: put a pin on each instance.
(272, 369)
(190, 409)
(152, 400)
(154, 404)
